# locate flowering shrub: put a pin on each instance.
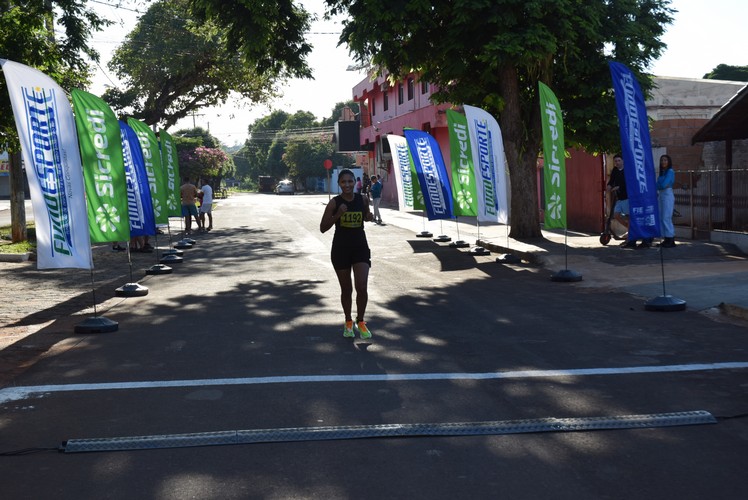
(203, 162)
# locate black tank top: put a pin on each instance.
(349, 229)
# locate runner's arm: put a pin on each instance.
(331, 215)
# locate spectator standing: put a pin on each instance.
(188, 192)
(358, 186)
(376, 197)
(617, 186)
(666, 200)
(367, 184)
(206, 207)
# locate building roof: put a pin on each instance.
(730, 122)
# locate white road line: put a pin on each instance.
(19, 393)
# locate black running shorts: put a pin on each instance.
(343, 256)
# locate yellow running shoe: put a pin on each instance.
(348, 329)
(364, 332)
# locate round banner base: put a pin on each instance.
(98, 324)
(171, 259)
(665, 303)
(158, 269)
(131, 290)
(566, 276)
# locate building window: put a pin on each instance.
(411, 85)
(424, 87)
(400, 94)
(385, 101)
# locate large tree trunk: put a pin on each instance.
(521, 146)
(17, 196)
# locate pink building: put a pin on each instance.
(388, 109)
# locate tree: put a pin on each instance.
(305, 158)
(253, 156)
(200, 134)
(337, 112)
(492, 55)
(263, 153)
(27, 36)
(727, 72)
(172, 64)
(270, 35)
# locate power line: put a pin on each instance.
(117, 6)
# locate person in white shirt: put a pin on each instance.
(206, 205)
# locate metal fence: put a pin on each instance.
(707, 200)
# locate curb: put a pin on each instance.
(14, 257)
(733, 311)
(533, 258)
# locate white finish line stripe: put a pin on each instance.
(19, 393)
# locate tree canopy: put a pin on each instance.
(172, 65)
(727, 72)
(492, 55)
(27, 36)
(288, 145)
(269, 35)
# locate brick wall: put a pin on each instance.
(675, 136)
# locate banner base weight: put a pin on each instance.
(171, 259)
(98, 324)
(665, 303)
(159, 269)
(131, 290)
(566, 276)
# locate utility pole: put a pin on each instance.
(193, 119)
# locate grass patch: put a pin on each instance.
(21, 247)
(6, 246)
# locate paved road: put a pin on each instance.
(245, 334)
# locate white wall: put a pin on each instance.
(357, 172)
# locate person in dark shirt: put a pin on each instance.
(617, 185)
(350, 250)
(367, 184)
(376, 197)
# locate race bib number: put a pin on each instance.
(352, 220)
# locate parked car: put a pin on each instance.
(285, 186)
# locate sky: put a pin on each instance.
(703, 35)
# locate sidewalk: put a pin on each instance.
(711, 277)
